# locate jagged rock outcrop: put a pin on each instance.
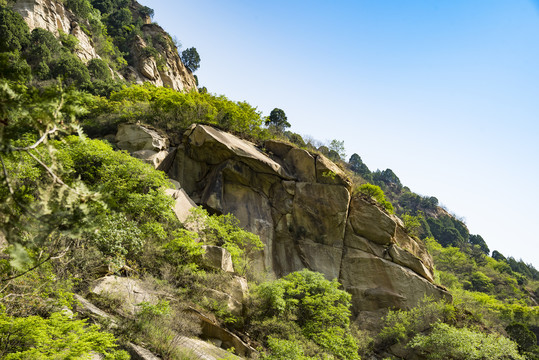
(162, 68)
(302, 207)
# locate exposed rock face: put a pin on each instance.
(165, 70)
(131, 292)
(301, 206)
(54, 17)
(143, 143)
(216, 257)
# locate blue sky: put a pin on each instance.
(444, 93)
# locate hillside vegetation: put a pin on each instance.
(74, 209)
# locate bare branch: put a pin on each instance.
(37, 143)
(55, 177)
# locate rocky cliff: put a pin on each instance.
(164, 68)
(302, 207)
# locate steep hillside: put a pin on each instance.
(111, 34)
(190, 226)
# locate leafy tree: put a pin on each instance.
(336, 150)
(481, 282)
(15, 68)
(358, 166)
(317, 305)
(99, 69)
(278, 120)
(191, 59)
(388, 177)
(498, 256)
(120, 18)
(146, 12)
(14, 32)
(71, 69)
(478, 240)
(81, 8)
(43, 47)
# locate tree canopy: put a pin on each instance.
(191, 59)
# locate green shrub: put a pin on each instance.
(522, 335)
(116, 236)
(281, 349)
(69, 41)
(184, 249)
(99, 70)
(481, 282)
(318, 306)
(375, 192)
(71, 69)
(401, 325)
(412, 224)
(447, 342)
(34, 337)
(127, 184)
(157, 327)
(225, 231)
(14, 32)
(174, 111)
(15, 68)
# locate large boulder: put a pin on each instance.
(377, 283)
(182, 202)
(300, 204)
(217, 258)
(154, 158)
(128, 292)
(134, 137)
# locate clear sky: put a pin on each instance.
(444, 93)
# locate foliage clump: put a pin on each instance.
(55, 337)
(310, 307)
(376, 193)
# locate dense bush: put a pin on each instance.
(57, 337)
(376, 193)
(14, 33)
(447, 342)
(174, 111)
(318, 307)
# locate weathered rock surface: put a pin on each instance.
(134, 137)
(139, 353)
(217, 258)
(183, 203)
(300, 204)
(212, 330)
(202, 350)
(233, 294)
(129, 292)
